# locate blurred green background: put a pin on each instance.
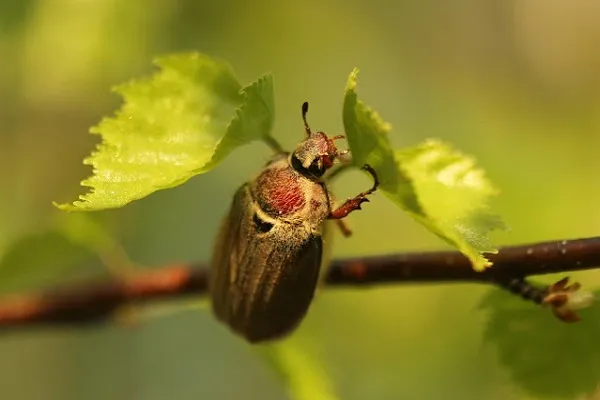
(514, 83)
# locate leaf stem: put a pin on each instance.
(273, 144)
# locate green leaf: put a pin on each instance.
(367, 136)
(39, 259)
(454, 194)
(544, 356)
(253, 121)
(176, 124)
(439, 187)
(44, 257)
(305, 379)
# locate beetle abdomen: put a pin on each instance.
(264, 271)
(283, 294)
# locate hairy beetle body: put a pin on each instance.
(266, 262)
(270, 265)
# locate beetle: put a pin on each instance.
(268, 253)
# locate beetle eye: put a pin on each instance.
(316, 168)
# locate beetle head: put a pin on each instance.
(316, 153)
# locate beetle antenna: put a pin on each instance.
(304, 112)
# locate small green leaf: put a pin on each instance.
(176, 124)
(305, 379)
(544, 356)
(367, 136)
(454, 194)
(42, 258)
(441, 188)
(39, 259)
(72, 245)
(253, 120)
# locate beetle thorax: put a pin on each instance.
(288, 196)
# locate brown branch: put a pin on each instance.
(91, 302)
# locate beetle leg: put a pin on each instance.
(344, 228)
(354, 203)
(342, 225)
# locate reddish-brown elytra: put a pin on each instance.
(266, 261)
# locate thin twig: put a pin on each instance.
(94, 302)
